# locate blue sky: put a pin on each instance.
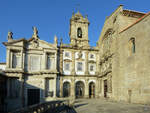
(51, 17)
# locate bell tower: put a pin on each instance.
(79, 30)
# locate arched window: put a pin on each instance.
(66, 89)
(79, 32)
(132, 44)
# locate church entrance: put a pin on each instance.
(66, 89)
(105, 88)
(92, 90)
(79, 90)
(33, 96)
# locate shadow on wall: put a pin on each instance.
(23, 94)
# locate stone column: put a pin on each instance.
(86, 95)
(86, 63)
(55, 58)
(61, 87)
(45, 60)
(97, 88)
(22, 60)
(55, 87)
(73, 63)
(109, 83)
(61, 61)
(97, 63)
(72, 87)
(22, 90)
(8, 59)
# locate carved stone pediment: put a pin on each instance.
(92, 61)
(35, 43)
(68, 60)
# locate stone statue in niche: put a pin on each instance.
(80, 54)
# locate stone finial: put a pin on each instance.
(55, 40)
(86, 16)
(73, 13)
(35, 32)
(10, 35)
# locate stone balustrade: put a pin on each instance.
(43, 107)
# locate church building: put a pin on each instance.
(117, 68)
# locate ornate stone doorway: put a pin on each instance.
(79, 89)
(105, 88)
(66, 89)
(92, 90)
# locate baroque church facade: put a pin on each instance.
(116, 68)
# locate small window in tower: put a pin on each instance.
(79, 32)
(132, 45)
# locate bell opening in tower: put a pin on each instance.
(79, 32)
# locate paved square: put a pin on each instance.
(104, 106)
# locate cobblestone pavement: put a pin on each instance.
(106, 106)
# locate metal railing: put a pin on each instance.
(43, 107)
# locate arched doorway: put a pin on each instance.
(92, 90)
(79, 90)
(66, 89)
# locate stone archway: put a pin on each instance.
(91, 90)
(79, 89)
(66, 89)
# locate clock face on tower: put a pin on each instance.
(79, 32)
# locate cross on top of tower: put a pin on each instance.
(77, 7)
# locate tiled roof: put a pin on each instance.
(140, 19)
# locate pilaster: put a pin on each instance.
(55, 59)
(72, 87)
(86, 63)
(86, 89)
(55, 87)
(61, 61)
(45, 60)
(73, 63)
(8, 58)
(61, 87)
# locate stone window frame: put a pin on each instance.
(15, 54)
(83, 66)
(13, 88)
(94, 67)
(79, 32)
(67, 57)
(48, 61)
(132, 45)
(51, 57)
(48, 90)
(33, 63)
(69, 65)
